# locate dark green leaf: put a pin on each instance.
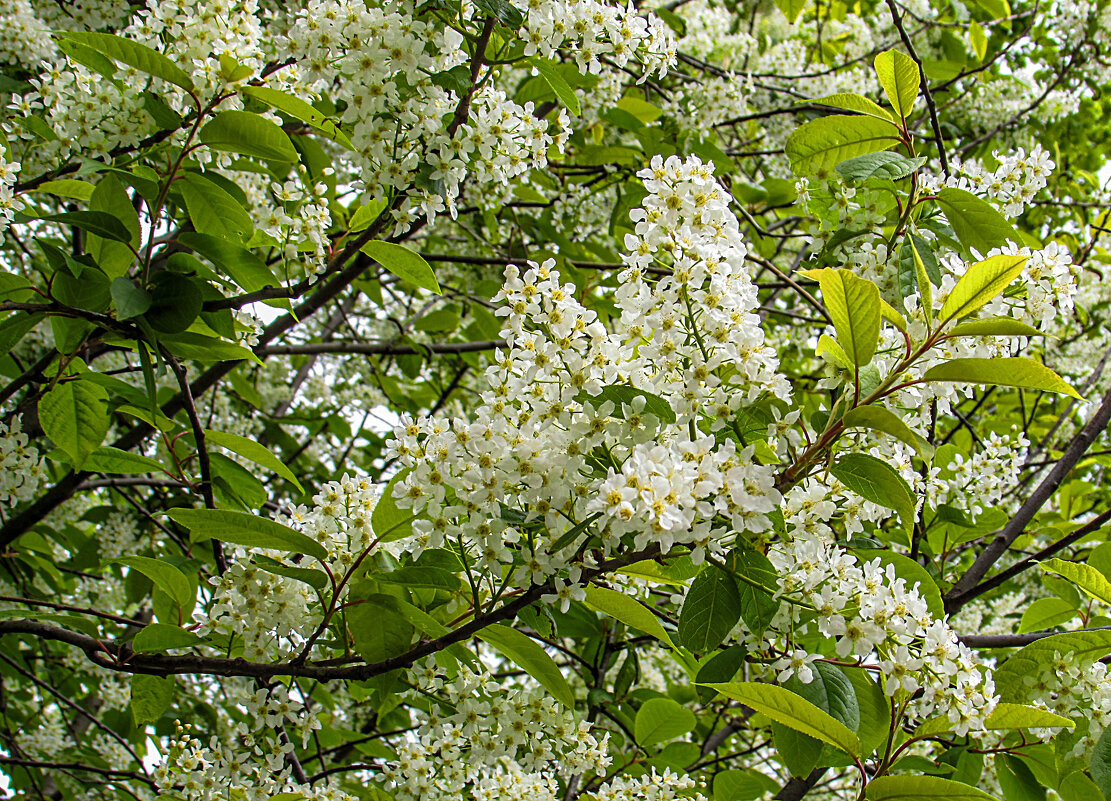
(710, 611)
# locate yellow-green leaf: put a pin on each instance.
(628, 610)
(851, 101)
(1083, 576)
(821, 144)
(880, 419)
(1017, 716)
(854, 306)
(1004, 372)
(900, 78)
(922, 788)
(793, 711)
(981, 283)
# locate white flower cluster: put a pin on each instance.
(500, 742)
(21, 467)
(549, 443)
(24, 37)
(250, 762)
(978, 481)
(653, 786)
(1074, 688)
(876, 617)
(9, 203)
(1013, 184)
(595, 30)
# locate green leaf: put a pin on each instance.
(418, 576)
(854, 305)
(242, 266)
(561, 88)
(885, 164)
(880, 419)
(758, 606)
(1010, 371)
(377, 630)
(299, 109)
(213, 210)
(249, 135)
(151, 696)
(189, 345)
(791, 8)
(915, 259)
(622, 395)
(139, 56)
(710, 611)
(976, 222)
(176, 301)
(1046, 613)
(922, 788)
(831, 691)
(75, 416)
(661, 719)
(1037, 657)
(628, 610)
(404, 263)
(67, 187)
(165, 577)
(130, 300)
(317, 579)
(827, 141)
(504, 12)
(790, 709)
(1016, 780)
(248, 530)
(157, 637)
(978, 39)
(1100, 765)
(742, 785)
(523, 651)
(980, 284)
(94, 222)
(900, 78)
(876, 481)
(1017, 716)
(255, 452)
(1086, 577)
(850, 101)
(110, 197)
(723, 666)
(119, 462)
(875, 713)
(995, 327)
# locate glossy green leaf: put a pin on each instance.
(976, 222)
(661, 719)
(854, 305)
(299, 109)
(139, 56)
(249, 135)
(1011, 371)
(980, 284)
(377, 630)
(74, 414)
(878, 418)
(151, 696)
(820, 144)
(1017, 716)
(164, 576)
(111, 460)
(1086, 577)
(995, 327)
(710, 611)
(130, 300)
(248, 530)
(406, 264)
(523, 651)
(628, 610)
(189, 345)
(900, 79)
(784, 706)
(255, 452)
(94, 222)
(158, 637)
(885, 165)
(922, 788)
(850, 101)
(212, 209)
(756, 585)
(559, 85)
(1046, 613)
(876, 481)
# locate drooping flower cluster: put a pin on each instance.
(876, 617)
(1013, 184)
(496, 740)
(21, 467)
